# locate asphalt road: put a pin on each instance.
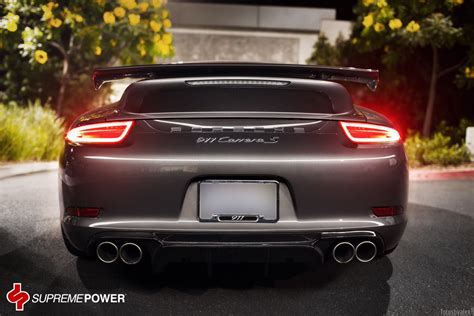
(431, 271)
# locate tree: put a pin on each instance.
(50, 48)
(404, 25)
(326, 54)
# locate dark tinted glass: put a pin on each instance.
(229, 98)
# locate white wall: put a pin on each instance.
(249, 16)
(333, 28)
(198, 44)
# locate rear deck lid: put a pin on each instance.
(236, 96)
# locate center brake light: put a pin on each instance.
(363, 133)
(100, 133)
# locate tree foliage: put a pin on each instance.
(403, 25)
(326, 54)
(400, 26)
(48, 49)
(416, 44)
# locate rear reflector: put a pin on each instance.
(369, 133)
(83, 211)
(387, 211)
(100, 133)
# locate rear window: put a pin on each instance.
(228, 98)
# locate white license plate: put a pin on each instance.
(238, 201)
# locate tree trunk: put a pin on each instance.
(431, 94)
(62, 85)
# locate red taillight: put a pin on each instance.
(387, 211)
(100, 133)
(369, 133)
(83, 211)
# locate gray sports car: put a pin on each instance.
(227, 156)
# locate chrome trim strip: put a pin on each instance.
(348, 234)
(231, 160)
(185, 225)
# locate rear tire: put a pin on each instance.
(73, 250)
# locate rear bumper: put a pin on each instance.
(86, 234)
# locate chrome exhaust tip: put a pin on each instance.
(343, 252)
(366, 251)
(107, 252)
(130, 253)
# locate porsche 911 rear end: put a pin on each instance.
(233, 156)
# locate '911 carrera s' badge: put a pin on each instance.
(230, 140)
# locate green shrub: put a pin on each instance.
(457, 133)
(414, 148)
(30, 133)
(435, 150)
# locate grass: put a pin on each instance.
(31, 133)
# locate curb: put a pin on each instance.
(428, 175)
(16, 169)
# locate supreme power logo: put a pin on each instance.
(18, 297)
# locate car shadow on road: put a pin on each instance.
(345, 289)
(18, 262)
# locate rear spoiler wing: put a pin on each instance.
(369, 77)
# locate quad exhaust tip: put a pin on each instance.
(366, 251)
(344, 252)
(130, 253)
(107, 252)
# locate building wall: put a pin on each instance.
(252, 33)
(214, 15)
(332, 29)
(227, 45)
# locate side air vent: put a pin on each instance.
(237, 82)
